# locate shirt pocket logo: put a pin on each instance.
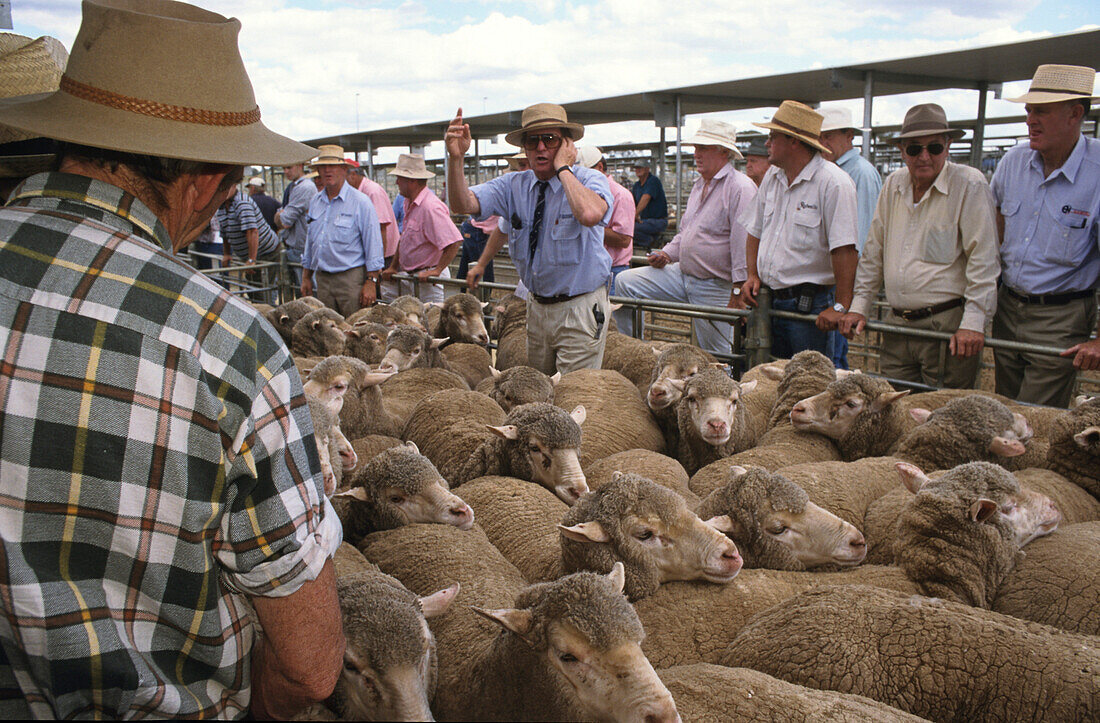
(1067, 239)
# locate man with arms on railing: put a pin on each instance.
(292, 218)
(1048, 201)
(933, 245)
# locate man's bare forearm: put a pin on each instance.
(844, 260)
(588, 206)
(459, 195)
(616, 240)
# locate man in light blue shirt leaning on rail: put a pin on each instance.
(557, 211)
(1048, 201)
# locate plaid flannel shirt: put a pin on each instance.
(157, 462)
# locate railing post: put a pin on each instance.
(639, 321)
(758, 337)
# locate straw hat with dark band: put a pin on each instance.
(542, 117)
(798, 121)
(927, 119)
(159, 78)
(330, 155)
(1056, 83)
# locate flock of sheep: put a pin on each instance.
(655, 541)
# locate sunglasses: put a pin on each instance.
(914, 149)
(550, 140)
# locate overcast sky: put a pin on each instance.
(417, 61)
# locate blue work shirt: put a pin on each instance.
(1050, 241)
(657, 206)
(399, 211)
(570, 258)
(343, 233)
(295, 213)
(868, 185)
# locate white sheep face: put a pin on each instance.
(432, 504)
(827, 414)
(665, 391)
(713, 417)
(1030, 514)
(816, 536)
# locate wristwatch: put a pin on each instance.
(839, 308)
(563, 168)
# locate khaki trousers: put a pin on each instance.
(340, 291)
(564, 336)
(1037, 378)
(913, 359)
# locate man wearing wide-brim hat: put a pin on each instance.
(556, 212)
(1048, 198)
(705, 261)
(158, 452)
(343, 259)
(430, 239)
(802, 234)
(933, 246)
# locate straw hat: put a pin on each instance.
(837, 119)
(716, 133)
(411, 166)
(28, 67)
(541, 117)
(329, 156)
(588, 156)
(513, 161)
(1055, 83)
(926, 119)
(158, 78)
(798, 121)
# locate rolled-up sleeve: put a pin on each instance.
(596, 181)
(494, 197)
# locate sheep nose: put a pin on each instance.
(857, 542)
(482, 338)
(460, 510)
(717, 425)
(658, 393)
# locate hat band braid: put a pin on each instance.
(1059, 90)
(158, 110)
(932, 125)
(796, 129)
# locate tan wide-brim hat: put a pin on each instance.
(158, 78)
(1055, 83)
(329, 156)
(28, 67)
(798, 121)
(927, 119)
(411, 166)
(716, 133)
(541, 117)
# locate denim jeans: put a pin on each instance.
(647, 230)
(615, 271)
(790, 337)
(473, 243)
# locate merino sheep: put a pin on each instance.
(363, 412)
(858, 412)
(932, 658)
(470, 361)
(617, 419)
(1075, 445)
(413, 309)
(448, 424)
(410, 348)
(286, 315)
(649, 528)
(775, 525)
(462, 319)
(404, 390)
(366, 341)
(518, 385)
(510, 331)
(537, 442)
(707, 693)
(969, 429)
(319, 333)
(399, 486)
(675, 365)
(335, 452)
(663, 470)
(367, 447)
(388, 316)
(633, 358)
(806, 374)
(711, 420)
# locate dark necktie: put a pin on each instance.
(536, 221)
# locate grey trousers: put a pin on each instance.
(564, 336)
(918, 360)
(340, 291)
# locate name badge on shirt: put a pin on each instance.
(1075, 217)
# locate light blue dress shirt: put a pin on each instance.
(1050, 242)
(868, 186)
(295, 213)
(343, 233)
(570, 257)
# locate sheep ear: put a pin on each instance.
(656, 351)
(885, 399)
(495, 372)
(747, 387)
(512, 620)
(436, 343)
(772, 372)
(616, 475)
(375, 377)
(412, 445)
(485, 306)
(1079, 400)
(1004, 447)
(1087, 436)
(722, 523)
(555, 379)
(844, 373)
(352, 332)
(617, 576)
(438, 602)
(498, 309)
(508, 431)
(920, 415)
(981, 510)
(579, 414)
(316, 323)
(912, 476)
(614, 307)
(586, 532)
(357, 493)
(736, 471)
(284, 318)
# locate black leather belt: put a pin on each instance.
(1050, 299)
(926, 311)
(793, 292)
(554, 299)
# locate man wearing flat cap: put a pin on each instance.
(1048, 202)
(430, 239)
(159, 464)
(756, 160)
(705, 262)
(556, 212)
(650, 205)
(802, 234)
(933, 245)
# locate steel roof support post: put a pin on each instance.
(979, 128)
(370, 158)
(661, 157)
(477, 162)
(679, 164)
(868, 102)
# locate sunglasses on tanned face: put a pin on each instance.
(914, 149)
(550, 140)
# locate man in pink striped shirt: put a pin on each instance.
(618, 234)
(705, 262)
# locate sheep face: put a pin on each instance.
(366, 341)
(521, 385)
(412, 308)
(543, 445)
(1012, 442)
(714, 409)
(389, 663)
(463, 319)
(674, 366)
(834, 412)
(1030, 514)
(587, 640)
(332, 378)
(407, 347)
(1075, 445)
(319, 333)
(816, 536)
